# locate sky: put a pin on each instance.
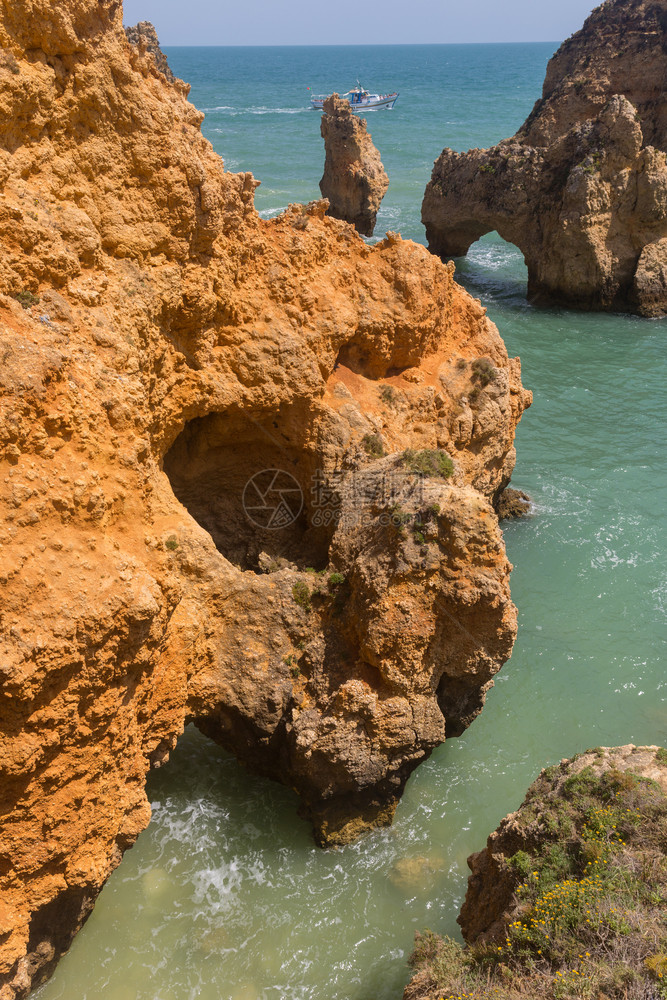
(318, 22)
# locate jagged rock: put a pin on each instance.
(512, 504)
(144, 36)
(162, 348)
(581, 189)
(354, 180)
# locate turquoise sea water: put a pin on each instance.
(225, 897)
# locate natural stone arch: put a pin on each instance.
(581, 188)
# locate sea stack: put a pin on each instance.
(354, 180)
(236, 486)
(581, 188)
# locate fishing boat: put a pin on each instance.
(360, 99)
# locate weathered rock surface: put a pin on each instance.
(354, 180)
(581, 188)
(144, 36)
(161, 344)
(512, 504)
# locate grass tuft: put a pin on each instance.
(428, 462)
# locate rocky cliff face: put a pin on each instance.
(354, 180)
(208, 510)
(581, 189)
(144, 36)
(567, 899)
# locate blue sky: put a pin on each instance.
(313, 22)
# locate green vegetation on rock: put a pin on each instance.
(428, 462)
(586, 913)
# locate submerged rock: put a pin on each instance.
(417, 875)
(233, 483)
(354, 180)
(581, 188)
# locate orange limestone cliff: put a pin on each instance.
(581, 188)
(247, 480)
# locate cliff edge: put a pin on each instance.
(236, 487)
(581, 188)
(567, 899)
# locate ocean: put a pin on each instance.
(225, 896)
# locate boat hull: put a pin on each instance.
(387, 101)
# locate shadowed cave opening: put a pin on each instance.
(251, 484)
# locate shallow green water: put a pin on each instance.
(225, 896)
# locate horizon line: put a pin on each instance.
(346, 45)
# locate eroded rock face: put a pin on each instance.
(354, 180)
(144, 36)
(162, 345)
(581, 189)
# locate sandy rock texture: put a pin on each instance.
(581, 188)
(144, 36)
(354, 180)
(164, 351)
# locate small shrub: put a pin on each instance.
(335, 580)
(419, 538)
(657, 965)
(388, 395)
(171, 544)
(428, 462)
(461, 364)
(372, 445)
(301, 594)
(26, 298)
(294, 672)
(398, 515)
(661, 756)
(484, 371)
(520, 863)
(8, 61)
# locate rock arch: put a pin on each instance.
(581, 188)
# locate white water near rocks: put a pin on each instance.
(225, 897)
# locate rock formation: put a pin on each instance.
(512, 504)
(144, 36)
(354, 180)
(162, 348)
(569, 891)
(581, 188)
